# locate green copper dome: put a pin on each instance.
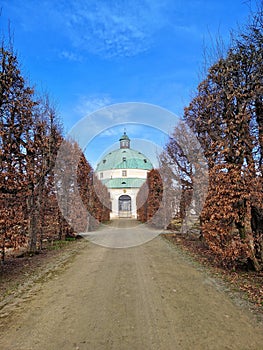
(124, 158)
(124, 137)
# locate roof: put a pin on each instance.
(123, 183)
(124, 137)
(124, 158)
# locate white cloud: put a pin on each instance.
(71, 56)
(114, 28)
(90, 104)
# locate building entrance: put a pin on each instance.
(125, 206)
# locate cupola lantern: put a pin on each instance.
(124, 141)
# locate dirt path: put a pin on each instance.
(146, 297)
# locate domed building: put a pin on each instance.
(123, 171)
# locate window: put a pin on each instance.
(124, 159)
(145, 160)
(101, 175)
(124, 172)
(104, 161)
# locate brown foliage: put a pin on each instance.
(83, 200)
(150, 198)
(30, 138)
(226, 116)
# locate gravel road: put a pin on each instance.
(145, 297)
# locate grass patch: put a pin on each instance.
(56, 245)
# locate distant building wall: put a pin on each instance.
(118, 173)
(115, 194)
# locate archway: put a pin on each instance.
(125, 206)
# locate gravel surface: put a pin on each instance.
(145, 297)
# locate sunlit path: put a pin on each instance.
(149, 297)
(122, 233)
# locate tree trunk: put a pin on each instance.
(259, 117)
(41, 208)
(256, 243)
(32, 221)
(2, 248)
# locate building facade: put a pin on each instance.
(123, 171)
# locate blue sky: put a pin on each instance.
(95, 53)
